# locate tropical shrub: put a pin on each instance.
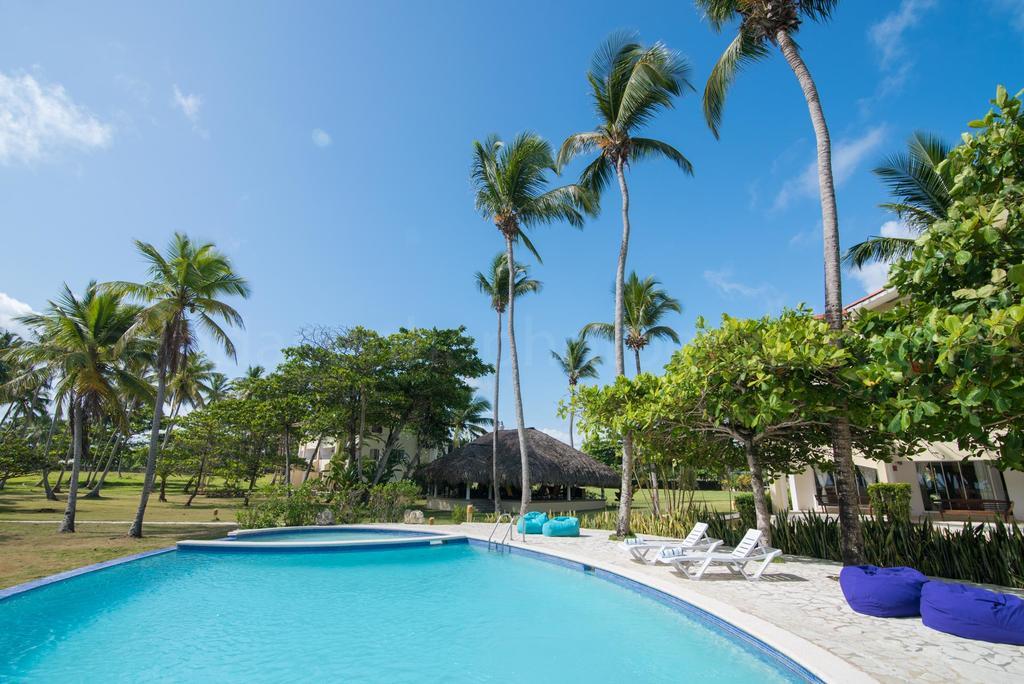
(458, 515)
(744, 502)
(387, 502)
(890, 500)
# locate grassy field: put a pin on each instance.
(33, 551)
(719, 501)
(30, 551)
(22, 500)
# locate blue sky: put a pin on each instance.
(325, 146)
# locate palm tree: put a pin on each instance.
(183, 292)
(630, 84)
(765, 23)
(218, 387)
(80, 343)
(511, 184)
(470, 421)
(577, 364)
(921, 190)
(495, 284)
(646, 304)
(189, 385)
(245, 386)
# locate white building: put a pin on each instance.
(370, 449)
(946, 484)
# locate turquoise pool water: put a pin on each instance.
(315, 534)
(452, 613)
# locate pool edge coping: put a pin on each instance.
(75, 572)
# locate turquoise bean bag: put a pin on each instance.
(562, 526)
(533, 521)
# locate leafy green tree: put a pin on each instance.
(577, 364)
(17, 456)
(495, 285)
(511, 185)
(184, 292)
(763, 24)
(646, 305)
(630, 84)
(80, 341)
(429, 369)
(921, 193)
(949, 358)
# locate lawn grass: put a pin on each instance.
(31, 551)
(715, 500)
(22, 500)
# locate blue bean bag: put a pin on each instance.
(973, 613)
(533, 522)
(882, 592)
(562, 526)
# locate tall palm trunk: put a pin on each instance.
(154, 442)
(494, 434)
(651, 471)
(516, 391)
(94, 493)
(68, 523)
(626, 496)
(572, 412)
(46, 456)
(842, 449)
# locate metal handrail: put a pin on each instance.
(497, 522)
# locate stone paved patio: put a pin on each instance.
(801, 597)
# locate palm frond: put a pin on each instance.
(742, 50)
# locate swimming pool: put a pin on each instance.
(449, 613)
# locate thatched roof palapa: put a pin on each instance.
(551, 462)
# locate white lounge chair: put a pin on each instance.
(647, 550)
(751, 549)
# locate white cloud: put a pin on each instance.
(11, 308)
(321, 138)
(888, 38)
(730, 288)
(846, 157)
(887, 35)
(37, 120)
(874, 276)
(189, 104)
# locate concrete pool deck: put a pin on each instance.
(798, 609)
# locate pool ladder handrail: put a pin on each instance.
(508, 534)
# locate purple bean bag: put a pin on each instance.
(882, 592)
(973, 613)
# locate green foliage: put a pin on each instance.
(276, 509)
(948, 361)
(387, 502)
(458, 515)
(17, 456)
(744, 502)
(890, 500)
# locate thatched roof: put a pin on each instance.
(551, 462)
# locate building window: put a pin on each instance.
(942, 481)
